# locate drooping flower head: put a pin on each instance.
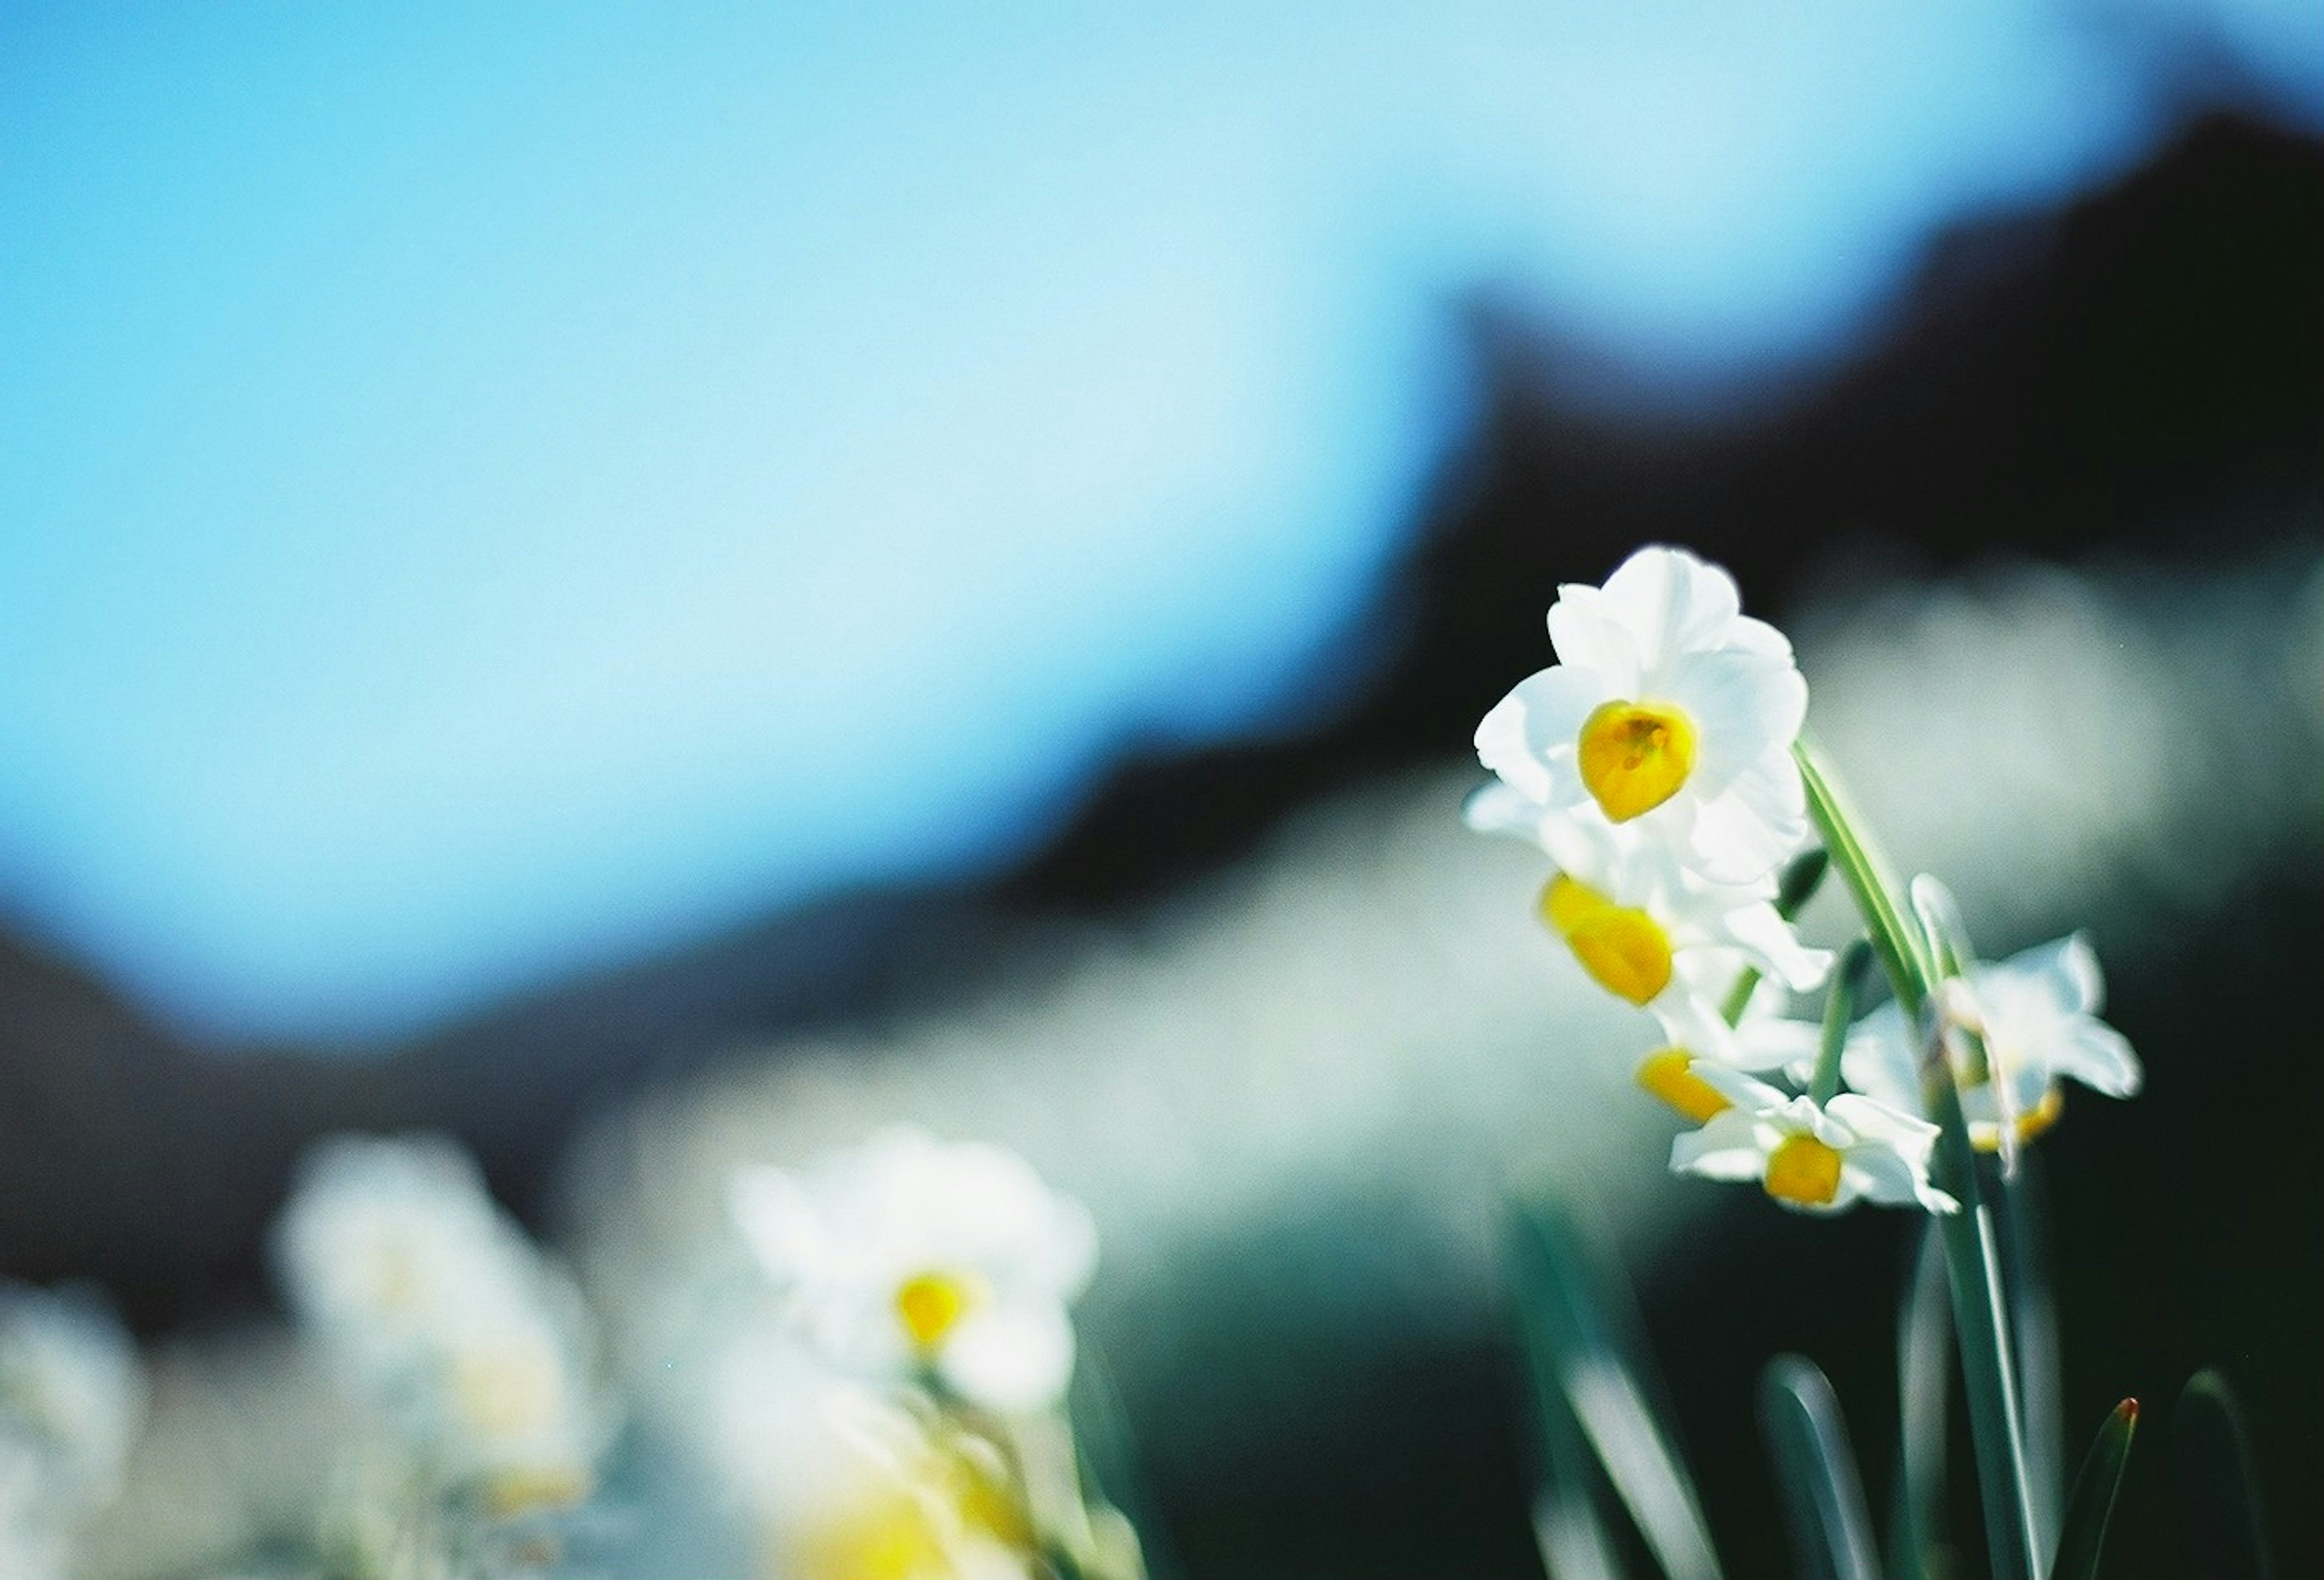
(1668, 710)
(1813, 1158)
(2036, 1016)
(911, 1256)
(1762, 1038)
(1650, 930)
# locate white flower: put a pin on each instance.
(385, 1243)
(909, 1254)
(1764, 1038)
(842, 1480)
(2037, 1014)
(1669, 710)
(72, 1399)
(433, 1306)
(1818, 1160)
(1654, 932)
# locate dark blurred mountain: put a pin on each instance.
(2066, 384)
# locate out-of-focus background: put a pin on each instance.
(651, 591)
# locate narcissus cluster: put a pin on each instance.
(1656, 764)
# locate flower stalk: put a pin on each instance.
(1972, 1263)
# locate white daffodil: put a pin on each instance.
(1653, 930)
(911, 1256)
(72, 1401)
(1764, 1038)
(842, 1480)
(1669, 710)
(1817, 1160)
(386, 1242)
(2036, 1013)
(433, 1306)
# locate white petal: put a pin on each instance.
(1761, 931)
(1673, 602)
(1749, 1096)
(2073, 965)
(1756, 824)
(776, 1220)
(1590, 634)
(1743, 706)
(1015, 1359)
(1499, 807)
(2094, 1053)
(1878, 1060)
(1541, 719)
(1692, 1022)
(1773, 1043)
(1726, 1148)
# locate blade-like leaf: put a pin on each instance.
(2023, 1215)
(2083, 1537)
(2218, 1496)
(1972, 1260)
(1923, 1370)
(1110, 1464)
(1823, 1495)
(1581, 1334)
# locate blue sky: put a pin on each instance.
(485, 493)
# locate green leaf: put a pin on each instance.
(1110, 1464)
(2219, 1496)
(2083, 1537)
(1972, 1260)
(1823, 1495)
(1923, 1371)
(1593, 1380)
(2023, 1217)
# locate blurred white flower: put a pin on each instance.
(842, 1480)
(72, 1401)
(908, 1254)
(1655, 932)
(1816, 1159)
(1669, 710)
(434, 1308)
(2036, 1013)
(71, 1385)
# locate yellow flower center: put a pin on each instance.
(1635, 756)
(1669, 1076)
(1620, 945)
(505, 1394)
(2032, 1123)
(520, 1491)
(1804, 1170)
(931, 1304)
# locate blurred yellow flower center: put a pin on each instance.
(507, 1393)
(931, 1305)
(2032, 1123)
(1803, 1169)
(1669, 1076)
(1635, 756)
(541, 1486)
(1620, 945)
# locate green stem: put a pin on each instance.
(1839, 1011)
(1980, 1319)
(1903, 956)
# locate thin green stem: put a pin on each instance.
(1981, 1318)
(1903, 955)
(1839, 1011)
